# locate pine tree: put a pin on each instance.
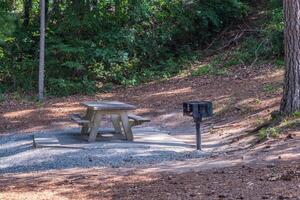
(291, 98)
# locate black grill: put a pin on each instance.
(198, 110)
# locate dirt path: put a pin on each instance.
(242, 100)
(242, 95)
(262, 179)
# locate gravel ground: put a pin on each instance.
(64, 151)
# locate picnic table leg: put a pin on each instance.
(95, 126)
(126, 126)
(116, 120)
(85, 127)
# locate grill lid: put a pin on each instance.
(198, 109)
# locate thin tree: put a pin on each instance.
(291, 98)
(42, 50)
(27, 10)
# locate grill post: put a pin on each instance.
(198, 135)
(198, 110)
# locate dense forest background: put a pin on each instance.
(94, 44)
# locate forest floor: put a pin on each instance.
(242, 169)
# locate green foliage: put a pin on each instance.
(63, 87)
(2, 97)
(270, 88)
(296, 114)
(290, 122)
(231, 62)
(265, 44)
(203, 70)
(279, 62)
(274, 29)
(90, 44)
(217, 66)
(266, 133)
(6, 21)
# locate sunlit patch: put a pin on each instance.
(15, 114)
(48, 111)
(170, 115)
(106, 95)
(46, 194)
(283, 156)
(62, 112)
(143, 110)
(246, 101)
(271, 77)
(257, 103)
(178, 91)
(35, 128)
(222, 103)
(64, 104)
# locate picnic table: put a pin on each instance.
(121, 119)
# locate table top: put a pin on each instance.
(108, 105)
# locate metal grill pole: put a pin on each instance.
(198, 135)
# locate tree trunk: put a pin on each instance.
(291, 98)
(46, 10)
(42, 51)
(27, 10)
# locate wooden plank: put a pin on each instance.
(88, 116)
(95, 125)
(126, 126)
(138, 118)
(135, 120)
(116, 121)
(108, 106)
(80, 120)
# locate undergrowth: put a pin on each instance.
(259, 44)
(140, 42)
(91, 45)
(279, 126)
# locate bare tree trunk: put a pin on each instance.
(291, 98)
(27, 10)
(46, 11)
(42, 51)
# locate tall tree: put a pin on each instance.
(42, 50)
(46, 10)
(27, 10)
(291, 98)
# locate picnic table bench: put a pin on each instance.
(121, 119)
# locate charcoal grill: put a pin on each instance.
(198, 110)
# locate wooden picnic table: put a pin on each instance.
(94, 114)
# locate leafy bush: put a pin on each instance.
(203, 70)
(274, 29)
(265, 44)
(269, 43)
(110, 42)
(63, 87)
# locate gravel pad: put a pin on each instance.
(65, 149)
